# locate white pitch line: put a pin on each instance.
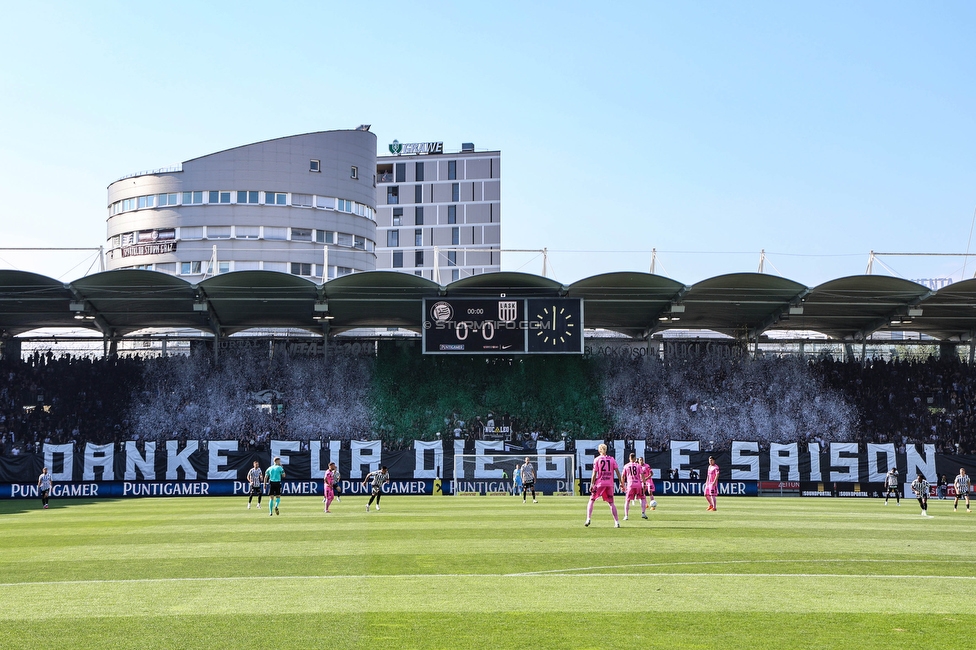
(428, 576)
(729, 562)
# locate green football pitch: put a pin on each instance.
(485, 572)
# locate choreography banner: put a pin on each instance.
(148, 466)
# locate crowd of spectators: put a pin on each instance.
(68, 399)
(909, 402)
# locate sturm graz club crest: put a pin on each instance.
(507, 311)
(442, 311)
(396, 148)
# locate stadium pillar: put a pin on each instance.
(947, 350)
(972, 350)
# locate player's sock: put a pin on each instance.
(613, 511)
(589, 510)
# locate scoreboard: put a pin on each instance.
(503, 326)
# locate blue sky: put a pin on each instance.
(817, 131)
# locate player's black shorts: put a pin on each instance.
(255, 490)
(530, 485)
(274, 489)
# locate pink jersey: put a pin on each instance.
(711, 482)
(648, 474)
(604, 470)
(329, 481)
(633, 475)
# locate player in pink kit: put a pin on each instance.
(601, 483)
(634, 476)
(328, 486)
(711, 483)
(648, 476)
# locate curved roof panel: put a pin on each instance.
(29, 301)
(128, 300)
(244, 299)
(378, 299)
(627, 302)
(511, 284)
(856, 306)
(737, 303)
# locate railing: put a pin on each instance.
(161, 170)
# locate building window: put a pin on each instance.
(275, 198)
(420, 172)
(247, 232)
(418, 193)
(314, 165)
(455, 275)
(452, 170)
(147, 201)
(342, 239)
(219, 197)
(343, 270)
(192, 198)
(344, 205)
(452, 258)
(324, 236)
(455, 191)
(452, 214)
(397, 216)
(359, 242)
(301, 268)
(247, 197)
(401, 173)
(301, 234)
(190, 232)
(419, 217)
(418, 237)
(418, 258)
(273, 232)
(398, 259)
(392, 238)
(393, 195)
(191, 268)
(218, 232)
(455, 236)
(167, 199)
(223, 267)
(354, 172)
(302, 200)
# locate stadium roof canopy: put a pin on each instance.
(743, 305)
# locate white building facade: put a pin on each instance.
(438, 214)
(303, 204)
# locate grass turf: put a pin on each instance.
(473, 572)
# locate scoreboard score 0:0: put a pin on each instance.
(503, 326)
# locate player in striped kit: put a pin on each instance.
(921, 489)
(255, 479)
(962, 485)
(601, 484)
(634, 477)
(44, 485)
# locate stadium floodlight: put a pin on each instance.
(491, 473)
(914, 312)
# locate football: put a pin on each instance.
(653, 503)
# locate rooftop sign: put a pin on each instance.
(399, 148)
